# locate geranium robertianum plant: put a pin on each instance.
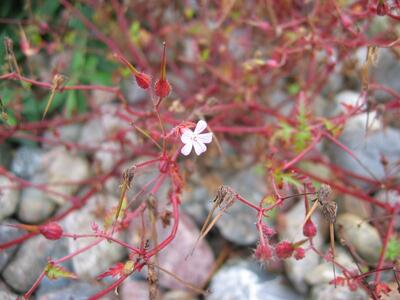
(226, 64)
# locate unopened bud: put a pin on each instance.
(51, 231)
(309, 229)
(143, 80)
(284, 249)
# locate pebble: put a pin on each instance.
(25, 267)
(76, 291)
(62, 166)
(134, 289)
(329, 291)
(362, 236)
(35, 206)
(237, 224)
(323, 273)
(9, 197)
(369, 150)
(99, 258)
(196, 268)
(244, 280)
(27, 162)
(7, 234)
(68, 134)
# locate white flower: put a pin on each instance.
(195, 139)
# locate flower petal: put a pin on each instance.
(205, 137)
(187, 136)
(187, 149)
(201, 125)
(199, 147)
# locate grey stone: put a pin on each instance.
(7, 234)
(133, 289)
(369, 150)
(386, 71)
(196, 268)
(26, 162)
(108, 155)
(323, 273)
(329, 291)
(76, 291)
(24, 268)
(244, 280)
(7, 295)
(99, 258)
(353, 205)
(67, 133)
(362, 236)
(237, 224)
(35, 206)
(9, 197)
(62, 166)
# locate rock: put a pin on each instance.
(133, 289)
(353, 205)
(237, 224)
(9, 197)
(108, 155)
(244, 280)
(323, 273)
(362, 236)
(7, 234)
(67, 134)
(290, 228)
(391, 197)
(179, 295)
(7, 295)
(99, 258)
(5, 155)
(196, 268)
(24, 268)
(329, 291)
(27, 161)
(76, 291)
(35, 206)
(194, 202)
(369, 150)
(359, 121)
(95, 131)
(61, 166)
(386, 70)
(92, 133)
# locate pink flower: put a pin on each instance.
(195, 139)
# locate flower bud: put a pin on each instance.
(143, 80)
(162, 88)
(299, 253)
(267, 230)
(51, 231)
(263, 252)
(309, 229)
(284, 249)
(381, 8)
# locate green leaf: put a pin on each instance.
(54, 271)
(393, 249)
(281, 178)
(293, 89)
(71, 103)
(134, 32)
